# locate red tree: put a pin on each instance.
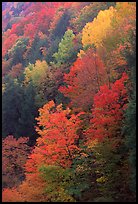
(108, 109)
(14, 156)
(16, 70)
(84, 80)
(8, 42)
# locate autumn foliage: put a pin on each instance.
(32, 189)
(57, 143)
(94, 32)
(108, 110)
(14, 156)
(68, 106)
(11, 195)
(84, 80)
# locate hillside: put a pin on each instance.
(69, 101)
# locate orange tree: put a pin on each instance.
(83, 80)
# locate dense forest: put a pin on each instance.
(68, 101)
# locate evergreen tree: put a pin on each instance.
(130, 121)
(12, 99)
(28, 112)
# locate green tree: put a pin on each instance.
(60, 21)
(34, 52)
(37, 74)
(61, 24)
(58, 180)
(28, 112)
(129, 128)
(130, 132)
(17, 51)
(68, 184)
(111, 169)
(18, 110)
(52, 49)
(66, 52)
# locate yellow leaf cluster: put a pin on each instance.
(92, 143)
(102, 179)
(94, 32)
(81, 53)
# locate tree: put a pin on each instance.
(17, 51)
(105, 139)
(55, 146)
(58, 137)
(18, 109)
(130, 136)
(66, 51)
(129, 128)
(34, 50)
(95, 31)
(16, 71)
(30, 30)
(32, 189)
(28, 112)
(108, 110)
(37, 74)
(76, 156)
(53, 48)
(33, 73)
(11, 105)
(6, 66)
(8, 42)
(14, 156)
(59, 24)
(58, 181)
(84, 80)
(110, 165)
(57, 29)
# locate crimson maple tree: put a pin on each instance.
(108, 110)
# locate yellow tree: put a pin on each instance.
(35, 72)
(95, 31)
(38, 75)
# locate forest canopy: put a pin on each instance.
(68, 101)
